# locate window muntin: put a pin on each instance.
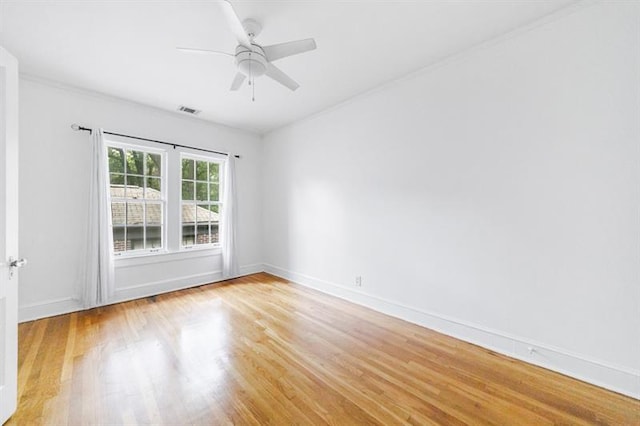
(137, 199)
(200, 201)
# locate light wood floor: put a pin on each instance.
(261, 351)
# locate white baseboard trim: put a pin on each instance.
(616, 378)
(251, 269)
(166, 286)
(66, 305)
(50, 308)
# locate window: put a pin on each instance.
(200, 201)
(163, 201)
(137, 198)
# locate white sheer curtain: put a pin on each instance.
(99, 285)
(230, 267)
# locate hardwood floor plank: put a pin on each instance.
(258, 350)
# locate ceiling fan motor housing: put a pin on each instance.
(251, 62)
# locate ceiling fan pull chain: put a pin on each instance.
(252, 82)
(250, 70)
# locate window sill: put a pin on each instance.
(165, 256)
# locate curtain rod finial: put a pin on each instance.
(75, 127)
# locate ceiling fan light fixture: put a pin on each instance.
(251, 63)
(251, 68)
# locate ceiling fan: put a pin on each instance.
(252, 59)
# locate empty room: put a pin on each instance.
(340, 212)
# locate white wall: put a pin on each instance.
(54, 170)
(495, 197)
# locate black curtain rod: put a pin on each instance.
(174, 145)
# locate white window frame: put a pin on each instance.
(221, 170)
(164, 178)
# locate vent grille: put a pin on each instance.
(188, 110)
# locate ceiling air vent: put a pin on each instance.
(188, 110)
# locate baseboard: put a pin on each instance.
(615, 378)
(49, 308)
(166, 286)
(55, 307)
(251, 269)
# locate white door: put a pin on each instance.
(8, 234)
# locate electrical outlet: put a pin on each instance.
(358, 281)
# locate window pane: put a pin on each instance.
(135, 214)
(135, 237)
(187, 169)
(201, 170)
(135, 160)
(116, 179)
(188, 214)
(153, 214)
(153, 165)
(203, 214)
(154, 237)
(153, 189)
(119, 242)
(188, 235)
(134, 187)
(188, 222)
(215, 213)
(214, 192)
(117, 213)
(117, 191)
(215, 219)
(116, 160)
(201, 191)
(214, 171)
(202, 236)
(187, 190)
(215, 234)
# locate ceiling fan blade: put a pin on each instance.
(235, 25)
(191, 50)
(282, 50)
(280, 77)
(237, 81)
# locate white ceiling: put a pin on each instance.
(127, 48)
